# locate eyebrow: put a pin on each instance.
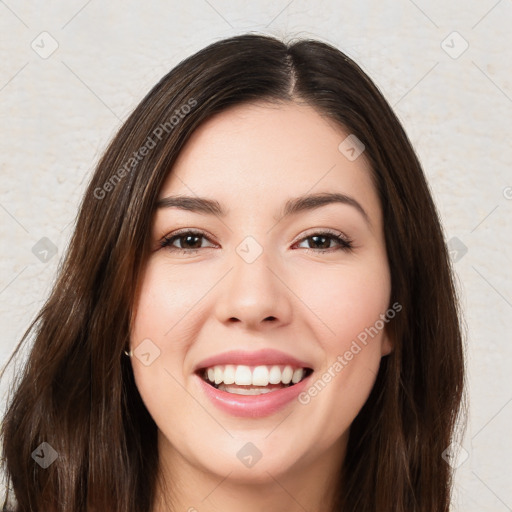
(204, 205)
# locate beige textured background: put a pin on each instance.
(59, 110)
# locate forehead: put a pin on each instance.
(257, 155)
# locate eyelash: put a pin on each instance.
(345, 244)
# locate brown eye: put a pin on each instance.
(323, 240)
(190, 241)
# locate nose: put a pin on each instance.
(255, 294)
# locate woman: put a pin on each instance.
(256, 307)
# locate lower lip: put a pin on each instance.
(253, 406)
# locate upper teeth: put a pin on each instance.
(255, 376)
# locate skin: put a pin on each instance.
(251, 159)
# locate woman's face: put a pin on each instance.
(255, 280)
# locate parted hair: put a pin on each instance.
(75, 389)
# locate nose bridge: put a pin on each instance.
(252, 292)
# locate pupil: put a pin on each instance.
(189, 237)
(315, 238)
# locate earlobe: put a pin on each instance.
(386, 345)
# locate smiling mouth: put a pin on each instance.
(252, 388)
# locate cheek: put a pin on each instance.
(167, 295)
(346, 301)
(349, 303)
(160, 310)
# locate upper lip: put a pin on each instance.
(261, 357)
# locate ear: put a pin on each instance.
(387, 345)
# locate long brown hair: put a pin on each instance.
(76, 390)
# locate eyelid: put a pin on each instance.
(326, 231)
(344, 242)
(193, 231)
(309, 232)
